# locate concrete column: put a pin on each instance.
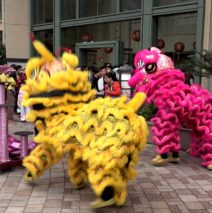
(2, 21)
(16, 29)
(146, 35)
(57, 37)
(207, 41)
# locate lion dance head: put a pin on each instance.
(54, 84)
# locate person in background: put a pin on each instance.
(23, 110)
(103, 70)
(108, 67)
(112, 87)
(13, 71)
(14, 74)
(116, 69)
(98, 79)
(189, 78)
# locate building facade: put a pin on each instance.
(16, 28)
(112, 31)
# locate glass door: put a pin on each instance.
(99, 53)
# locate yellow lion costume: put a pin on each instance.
(101, 137)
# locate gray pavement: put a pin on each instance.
(185, 187)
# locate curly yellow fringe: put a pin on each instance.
(102, 137)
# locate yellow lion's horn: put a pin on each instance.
(44, 52)
(70, 59)
(137, 101)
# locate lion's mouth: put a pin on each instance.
(38, 107)
(57, 93)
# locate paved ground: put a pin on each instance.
(186, 187)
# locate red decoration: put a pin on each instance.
(32, 36)
(160, 43)
(108, 50)
(179, 47)
(86, 37)
(62, 49)
(100, 58)
(136, 35)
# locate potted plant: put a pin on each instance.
(149, 110)
(199, 64)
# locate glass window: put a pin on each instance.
(177, 28)
(48, 16)
(106, 7)
(121, 31)
(177, 36)
(68, 9)
(87, 8)
(130, 5)
(45, 36)
(42, 11)
(168, 2)
(115, 31)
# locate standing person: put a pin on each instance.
(189, 78)
(103, 70)
(98, 82)
(108, 67)
(99, 78)
(13, 71)
(112, 87)
(13, 74)
(23, 110)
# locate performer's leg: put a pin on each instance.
(200, 121)
(108, 185)
(40, 159)
(77, 170)
(166, 137)
(22, 113)
(202, 146)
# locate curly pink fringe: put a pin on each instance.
(178, 103)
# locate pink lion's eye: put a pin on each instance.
(151, 68)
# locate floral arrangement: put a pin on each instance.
(7, 81)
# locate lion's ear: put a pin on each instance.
(71, 59)
(43, 51)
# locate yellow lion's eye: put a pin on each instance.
(34, 74)
(42, 75)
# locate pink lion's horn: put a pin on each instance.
(155, 49)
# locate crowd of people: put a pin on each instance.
(17, 72)
(105, 80)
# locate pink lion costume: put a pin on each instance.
(177, 103)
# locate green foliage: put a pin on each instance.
(2, 54)
(199, 64)
(147, 111)
(204, 61)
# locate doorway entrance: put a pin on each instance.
(99, 53)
